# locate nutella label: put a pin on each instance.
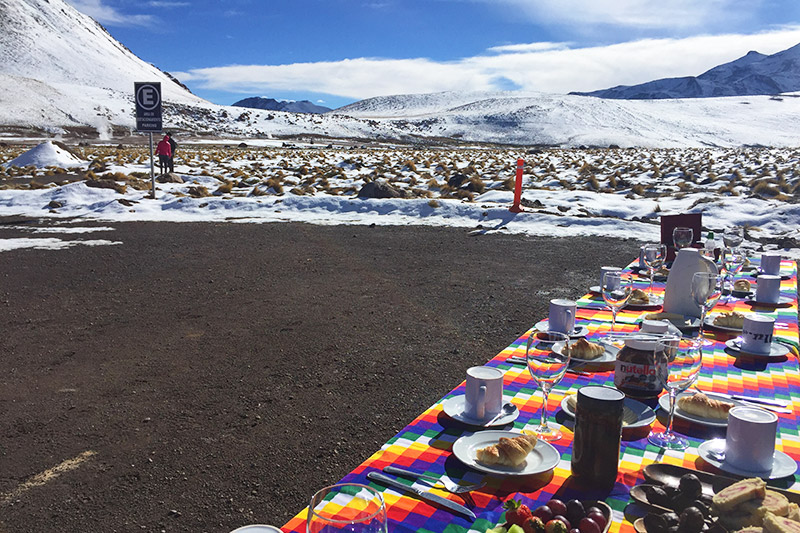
(640, 379)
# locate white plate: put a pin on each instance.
(663, 402)
(776, 349)
(542, 458)
(782, 464)
(783, 300)
(579, 331)
(608, 356)
(257, 528)
(710, 323)
(454, 408)
(595, 289)
(655, 301)
(644, 414)
(676, 326)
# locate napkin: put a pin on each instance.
(678, 295)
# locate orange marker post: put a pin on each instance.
(516, 208)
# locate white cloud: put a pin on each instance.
(167, 5)
(531, 67)
(106, 14)
(641, 14)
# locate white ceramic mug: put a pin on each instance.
(483, 398)
(757, 333)
(768, 288)
(562, 315)
(603, 271)
(660, 327)
(771, 263)
(750, 439)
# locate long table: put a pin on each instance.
(426, 443)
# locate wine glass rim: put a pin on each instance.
(375, 494)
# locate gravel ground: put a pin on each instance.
(199, 376)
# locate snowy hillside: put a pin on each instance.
(751, 74)
(566, 120)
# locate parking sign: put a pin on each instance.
(148, 106)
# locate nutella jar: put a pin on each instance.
(635, 370)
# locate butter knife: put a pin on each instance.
(435, 498)
(752, 399)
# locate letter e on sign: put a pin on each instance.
(148, 106)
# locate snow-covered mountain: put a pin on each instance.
(751, 74)
(61, 72)
(270, 104)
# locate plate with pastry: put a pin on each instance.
(588, 352)
(776, 349)
(732, 321)
(641, 300)
(579, 331)
(635, 414)
(507, 453)
(783, 301)
(701, 409)
(782, 464)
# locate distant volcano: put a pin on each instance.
(303, 106)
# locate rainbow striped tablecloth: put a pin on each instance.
(426, 443)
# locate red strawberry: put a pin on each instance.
(516, 512)
(533, 525)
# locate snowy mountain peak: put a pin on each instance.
(290, 106)
(752, 74)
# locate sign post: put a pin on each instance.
(148, 117)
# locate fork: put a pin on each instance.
(434, 481)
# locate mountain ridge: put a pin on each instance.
(750, 75)
(271, 104)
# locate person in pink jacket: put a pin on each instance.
(164, 153)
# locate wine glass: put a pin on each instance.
(682, 237)
(733, 236)
(706, 291)
(548, 358)
(654, 255)
(350, 507)
(732, 261)
(677, 362)
(617, 291)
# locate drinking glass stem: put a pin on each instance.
(672, 395)
(702, 319)
(543, 422)
(650, 290)
(613, 317)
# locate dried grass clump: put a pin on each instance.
(476, 184)
(434, 204)
(765, 189)
(422, 193)
(509, 184)
(463, 194)
(225, 188)
(409, 166)
(275, 184)
(638, 189)
(257, 191)
(198, 192)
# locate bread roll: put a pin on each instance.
(729, 320)
(639, 297)
(742, 285)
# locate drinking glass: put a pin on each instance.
(732, 261)
(733, 236)
(677, 362)
(682, 237)
(654, 255)
(706, 291)
(347, 507)
(547, 366)
(617, 289)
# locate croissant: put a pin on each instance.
(701, 405)
(638, 296)
(729, 320)
(508, 452)
(583, 349)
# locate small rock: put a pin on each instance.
(55, 204)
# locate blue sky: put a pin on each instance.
(334, 52)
